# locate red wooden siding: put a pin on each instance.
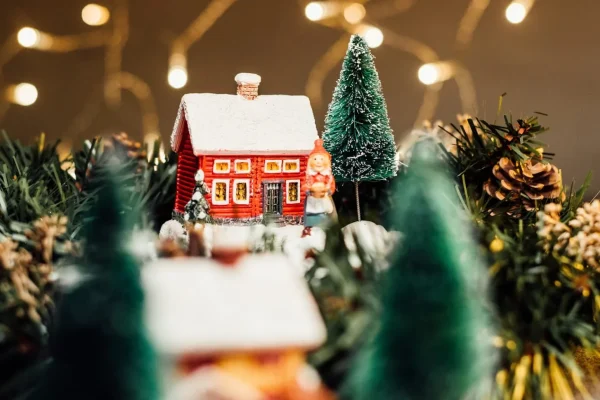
(257, 176)
(230, 210)
(187, 165)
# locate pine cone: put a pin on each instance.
(524, 183)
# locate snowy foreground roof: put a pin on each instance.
(198, 306)
(230, 123)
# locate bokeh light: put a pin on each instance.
(355, 13)
(95, 15)
(373, 36)
(28, 37)
(314, 11)
(429, 74)
(516, 13)
(23, 94)
(178, 77)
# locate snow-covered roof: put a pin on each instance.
(230, 123)
(198, 306)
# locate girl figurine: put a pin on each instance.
(319, 209)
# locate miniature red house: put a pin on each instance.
(253, 151)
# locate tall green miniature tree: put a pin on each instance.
(434, 339)
(357, 128)
(99, 348)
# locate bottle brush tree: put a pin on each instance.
(99, 347)
(434, 338)
(197, 210)
(357, 129)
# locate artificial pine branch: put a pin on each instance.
(545, 302)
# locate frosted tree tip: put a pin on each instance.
(356, 40)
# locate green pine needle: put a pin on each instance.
(357, 129)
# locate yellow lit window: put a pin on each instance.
(241, 191)
(221, 166)
(273, 166)
(220, 190)
(291, 166)
(242, 166)
(293, 192)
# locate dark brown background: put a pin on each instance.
(549, 63)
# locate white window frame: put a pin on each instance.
(289, 162)
(287, 191)
(248, 191)
(247, 160)
(214, 192)
(278, 162)
(228, 162)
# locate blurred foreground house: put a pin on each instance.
(239, 330)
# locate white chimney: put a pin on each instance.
(247, 85)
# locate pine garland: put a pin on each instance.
(547, 303)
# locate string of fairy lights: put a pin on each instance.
(348, 17)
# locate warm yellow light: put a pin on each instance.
(28, 37)
(373, 36)
(518, 10)
(515, 13)
(95, 15)
(355, 13)
(314, 11)
(23, 94)
(435, 72)
(178, 77)
(429, 74)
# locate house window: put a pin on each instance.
(293, 192)
(220, 191)
(242, 166)
(222, 166)
(272, 166)
(291, 166)
(241, 191)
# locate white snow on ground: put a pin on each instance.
(375, 240)
(172, 230)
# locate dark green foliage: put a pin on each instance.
(357, 130)
(32, 181)
(434, 339)
(149, 183)
(374, 201)
(483, 144)
(348, 299)
(197, 210)
(99, 349)
(546, 304)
